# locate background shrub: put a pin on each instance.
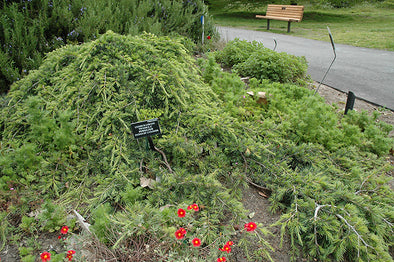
(236, 52)
(254, 60)
(29, 29)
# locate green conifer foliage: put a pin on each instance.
(83, 98)
(323, 168)
(254, 60)
(65, 135)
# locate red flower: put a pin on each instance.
(181, 213)
(69, 256)
(45, 256)
(251, 226)
(179, 234)
(209, 37)
(59, 237)
(195, 207)
(230, 243)
(226, 248)
(64, 230)
(221, 259)
(71, 252)
(182, 230)
(196, 242)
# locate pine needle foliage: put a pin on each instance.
(88, 95)
(65, 135)
(324, 169)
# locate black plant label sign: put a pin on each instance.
(146, 128)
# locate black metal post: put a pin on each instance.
(350, 101)
(268, 24)
(149, 144)
(288, 27)
(276, 44)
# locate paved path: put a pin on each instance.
(368, 73)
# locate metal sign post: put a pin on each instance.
(350, 101)
(202, 23)
(335, 56)
(276, 44)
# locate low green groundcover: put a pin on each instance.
(65, 138)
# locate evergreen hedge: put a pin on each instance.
(31, 28)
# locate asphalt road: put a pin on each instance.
(368, 73)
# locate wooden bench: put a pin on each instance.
(289, 13)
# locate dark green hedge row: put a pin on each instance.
(31, 28)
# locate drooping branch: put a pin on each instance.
(258, 186)
(317, 210)
(390, 224)
(362, 184)
(354, 230)
(367, 191)
(315, 217)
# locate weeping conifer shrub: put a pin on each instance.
(29, 29)
(86, 96)
(65, 135)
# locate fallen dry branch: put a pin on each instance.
(267, 190)
(164, 159)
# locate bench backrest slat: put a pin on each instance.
(289, 11)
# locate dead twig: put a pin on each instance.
(266, 190)
(164, 159)
(258, 186)
(82, 222)
(262, 194)
(362, 184)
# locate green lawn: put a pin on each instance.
(364, 26)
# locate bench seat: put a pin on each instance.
(278, 18)
(289, 13)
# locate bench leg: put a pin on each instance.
(268, 24)
(288, 27)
